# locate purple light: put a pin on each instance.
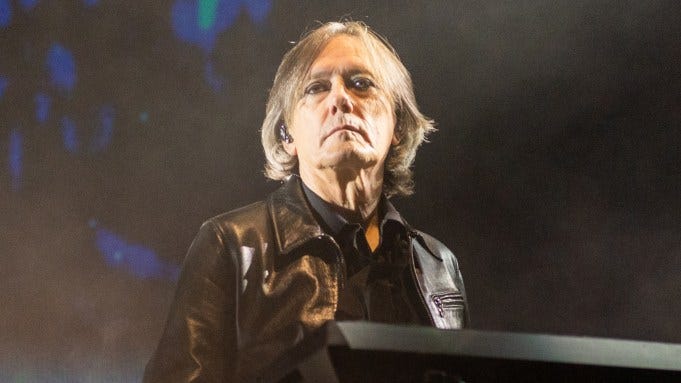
(42, 107)
(213, 79)
(27, 5)
(138, 260)
(258, 9)
(4, 83)
(15, 158)
(5, 13)
(61, 67)
(69, 135)
(104, 132)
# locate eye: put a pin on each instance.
(362, 83)
(316, 87)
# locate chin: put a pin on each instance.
(348, 159)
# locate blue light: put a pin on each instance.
(140, 261)
(196, 23)
(4, 82)
(27, 5)
(15, 158)
(90, 3)
(187, 27)
(226, 14)
(5, 13)
(104, 132)
(42, 107)
(199, 22)
(61, 67)
(69, 135)
(144, 116)
(213, 79)
(259, 9)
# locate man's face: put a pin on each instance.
(344, 120)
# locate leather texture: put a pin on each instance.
(256, 280)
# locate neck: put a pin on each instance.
(355, 195)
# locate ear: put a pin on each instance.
(286, 139)
(396, 136)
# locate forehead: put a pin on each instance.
(342, 53)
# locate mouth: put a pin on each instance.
(349, 128)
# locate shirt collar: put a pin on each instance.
(335, 222)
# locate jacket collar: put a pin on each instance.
(293, 221)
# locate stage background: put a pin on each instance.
(554, 175)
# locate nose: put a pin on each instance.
(340, 100)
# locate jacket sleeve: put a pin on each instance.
(199, 340)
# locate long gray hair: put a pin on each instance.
(411, 127)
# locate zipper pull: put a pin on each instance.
(438, 303)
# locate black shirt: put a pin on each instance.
(378, 285)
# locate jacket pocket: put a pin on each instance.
(448, 303)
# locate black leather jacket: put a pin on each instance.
(258, 279)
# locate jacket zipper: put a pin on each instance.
(447, 301)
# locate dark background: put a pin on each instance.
(554, 174)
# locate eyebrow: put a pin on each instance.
(350, 72)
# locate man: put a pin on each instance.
(341, 130)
